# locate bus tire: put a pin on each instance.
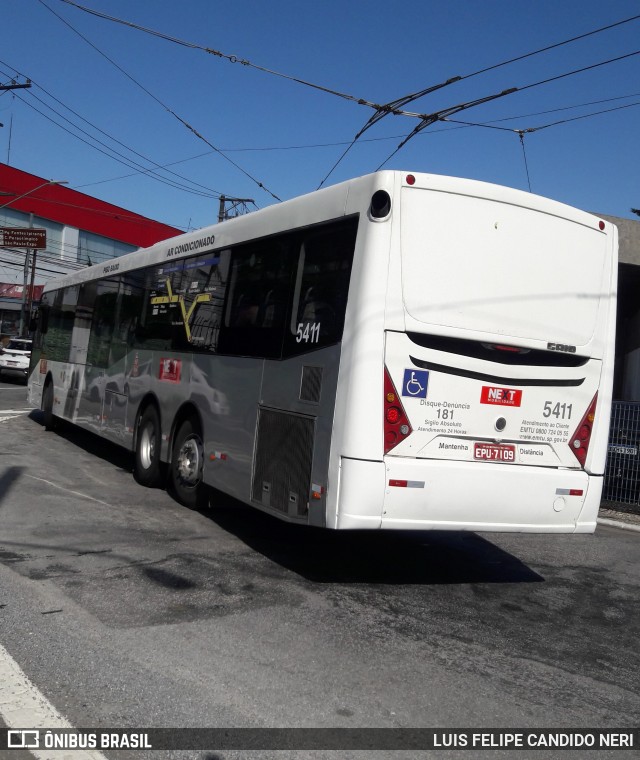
(187, 463)
(48, 417)
(147, 468)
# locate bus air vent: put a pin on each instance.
(311, 384)
(282, 465)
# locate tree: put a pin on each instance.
(636, 211)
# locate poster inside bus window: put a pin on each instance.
(201, 298)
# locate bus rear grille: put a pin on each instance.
(311, 384)
(282, 468)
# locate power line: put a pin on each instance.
(380, 110)
(157, 100)
(310, 146)
(428, 119)
(386, 108)
(109, 152)
(217, 53)
(123, 158)
(395, 106)
(530, 130)
(135, 81)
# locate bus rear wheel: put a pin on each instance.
(187, 464)
(147, 469)
(48, 416)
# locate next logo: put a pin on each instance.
(501, 396)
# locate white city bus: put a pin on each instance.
(403, 351)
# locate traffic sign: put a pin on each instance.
(22, 237)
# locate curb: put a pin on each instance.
(618, 524)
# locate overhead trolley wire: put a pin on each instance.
(443, 114)
(529, 130)
(182, 121)
(309, 146)
(109, 152)
(217, 53)
(381, 110)
(386, 108)
(125, 160)
(395, 107)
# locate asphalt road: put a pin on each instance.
(126, 609)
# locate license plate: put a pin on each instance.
(494, 452)
(13, 364)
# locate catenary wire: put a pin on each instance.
(129, 162)
(530, 130)
(361, 101)
(428, 119)
(395, 106)
(380, 110)
(161, 103)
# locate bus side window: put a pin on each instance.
(162, 316)
(203, 287)
(322, 286)
(245, 313)
(258, 298)
(57, 341)
(42, 319)
(273, 308)
(102, 322)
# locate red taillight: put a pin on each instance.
(396, 423)
(579, 441)
(393, 415)
(511, 349)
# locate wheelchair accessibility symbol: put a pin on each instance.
(415, 383)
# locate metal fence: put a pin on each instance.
(622, 473)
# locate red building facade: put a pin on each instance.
(81, 230)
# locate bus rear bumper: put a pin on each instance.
(421, 494)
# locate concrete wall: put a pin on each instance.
(627, 375)
(628, 238)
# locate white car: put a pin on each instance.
(14, 357)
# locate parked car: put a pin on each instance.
(14, 357)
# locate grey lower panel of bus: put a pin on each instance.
(274, 430)
(266, 423)
(283, 460)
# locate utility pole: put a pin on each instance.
(35, 244)
(15, 85)
(237, 205)
(25, 316)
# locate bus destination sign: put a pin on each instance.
(22, 237)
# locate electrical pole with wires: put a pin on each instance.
(235, 207)
(13, 85)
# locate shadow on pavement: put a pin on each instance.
(90, 442)
(322, 556)
(382, 557)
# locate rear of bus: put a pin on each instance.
(498, 363)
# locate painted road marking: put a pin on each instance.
(22, 705)
(68, 490)
(10, 414)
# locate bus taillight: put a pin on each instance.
(579, 441)
(396, 423)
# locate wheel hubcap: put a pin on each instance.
(147, 446)
(189, 461)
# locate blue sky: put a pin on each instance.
(286, 135)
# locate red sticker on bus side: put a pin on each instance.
(170, 370)
(502, 396)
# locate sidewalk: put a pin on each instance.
(623, 516)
